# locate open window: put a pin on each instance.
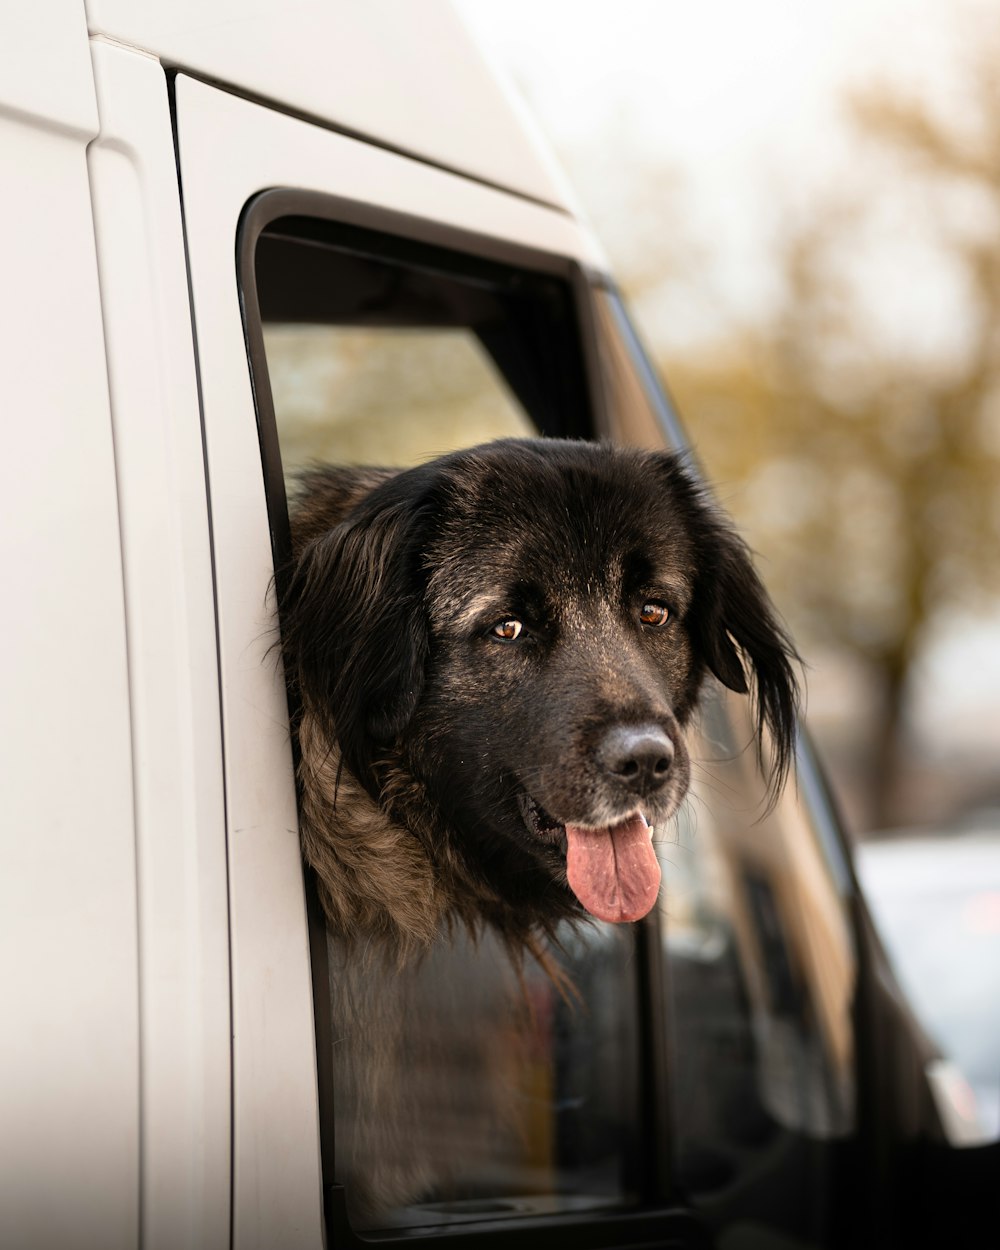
(702, 1058)
(503, 1094)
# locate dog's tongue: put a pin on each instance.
(613, 872)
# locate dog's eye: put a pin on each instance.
(655, 614)
(507, 630)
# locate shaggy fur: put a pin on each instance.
(445, 765)
(423, 734)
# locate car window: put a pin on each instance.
(760, 965)
(351, 395)
(511, 1093)
(493, 1090)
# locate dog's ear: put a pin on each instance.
(735, 623)
(354, 630)
(734, 627)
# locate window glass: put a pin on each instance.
(477, 1089)
(508, 1097)
(760, 960)
(391, 396)
(754, 918)
(639, 412)
(761, 970)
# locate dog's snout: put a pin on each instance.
(638, 755)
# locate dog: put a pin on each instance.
(495, 655)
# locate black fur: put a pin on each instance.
(397, 582)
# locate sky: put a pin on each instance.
(698, 79)
(742, 100)
(728, 89)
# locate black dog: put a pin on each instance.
(497, 653)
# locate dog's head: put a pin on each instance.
(523, 628)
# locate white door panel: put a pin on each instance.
(69, 1037)
(173, 669)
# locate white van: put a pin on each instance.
(238, 236)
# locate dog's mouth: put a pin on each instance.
(613, 871)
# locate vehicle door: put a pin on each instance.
(353, 304)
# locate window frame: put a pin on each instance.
(272, 205)
(659, 1212)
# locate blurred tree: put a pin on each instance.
(867, 469)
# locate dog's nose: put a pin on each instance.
(638, 755)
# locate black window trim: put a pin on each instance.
(660, 1219)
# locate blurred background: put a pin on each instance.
(802, 205)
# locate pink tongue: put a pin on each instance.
(613, 872)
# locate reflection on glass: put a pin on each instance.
(762, 970)
(475, 1093)
(760, 960)
(639, 413)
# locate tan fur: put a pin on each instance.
(376, 881)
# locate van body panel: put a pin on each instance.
(45, 70)
(369, 68)
(173, 666)
(69, 1043)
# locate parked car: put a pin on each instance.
(225, 227)
(936, 900)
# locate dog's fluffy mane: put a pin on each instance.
(392, 873)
